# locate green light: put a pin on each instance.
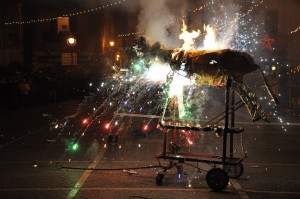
(75, 147)
(138, 66)
(273, 68)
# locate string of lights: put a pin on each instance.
(87, 11)
(132, 34)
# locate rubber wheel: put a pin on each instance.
(217, 179)
(159, 178)
(234, 172)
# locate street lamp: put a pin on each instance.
(111, 43)
(71, 41)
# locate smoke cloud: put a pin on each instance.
(156, 20)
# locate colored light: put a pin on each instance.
(145, 127)
(85, 121)
(75, 147)
(107, 125)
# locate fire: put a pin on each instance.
(188, 37)
(209, 43)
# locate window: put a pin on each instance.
(63, 24)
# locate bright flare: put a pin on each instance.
(158, 72)
(176, 90)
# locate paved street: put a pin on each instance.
(36, 163)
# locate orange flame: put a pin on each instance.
(188, 37)
(210, 40)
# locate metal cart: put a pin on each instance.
(217, 178)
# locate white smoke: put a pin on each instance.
(156, 19)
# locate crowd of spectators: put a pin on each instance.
(21, 90)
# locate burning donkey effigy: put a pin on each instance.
(213, 68)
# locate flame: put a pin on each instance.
(188, 37)
(210, 42)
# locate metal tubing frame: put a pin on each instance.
(228, 85)
(232, 122)
(226, 129)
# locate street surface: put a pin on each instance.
(39, 163)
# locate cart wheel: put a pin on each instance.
(217, 179)
(159, 178)
(173, 148)
(234, 172)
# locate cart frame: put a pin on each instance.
(216, 178)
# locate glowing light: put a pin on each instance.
(107, 125)
(85, 121)
(190, 142)
(176, 90)
(71, 41)
(158, 72)
(75, 147)
(117, 57)
(35, 165)
(146, 127)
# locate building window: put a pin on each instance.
(63, 24)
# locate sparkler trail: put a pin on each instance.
(296, 30)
